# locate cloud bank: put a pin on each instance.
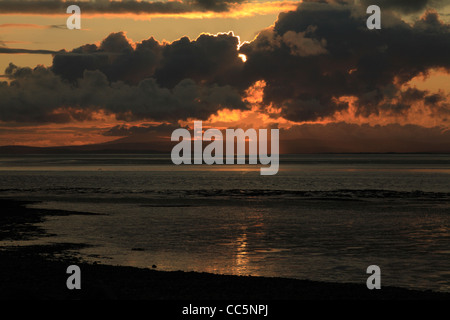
(317, 61)
(115, 7)
(39, 95)
(345, 59)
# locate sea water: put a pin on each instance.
(322, 217)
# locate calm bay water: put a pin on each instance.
(322, 217)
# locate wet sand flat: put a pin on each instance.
(39, 272)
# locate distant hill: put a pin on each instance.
(118, 146)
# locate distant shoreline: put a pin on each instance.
(38, 272)
(131, 149)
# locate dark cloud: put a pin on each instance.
(106, 6)
(20, 51)
(434, 99)
(309, 60)
(344, 137)
(145, 80)
(401, 6)
(343, 58)
(37, 95)
(405, 6)
(115, 57)
(208, 59)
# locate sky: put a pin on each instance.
(137, 70)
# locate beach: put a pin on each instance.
(39, 272)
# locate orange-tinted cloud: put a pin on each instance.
(149, 9)
(29, 25)
(315, 74)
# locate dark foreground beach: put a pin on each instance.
(39, 272)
